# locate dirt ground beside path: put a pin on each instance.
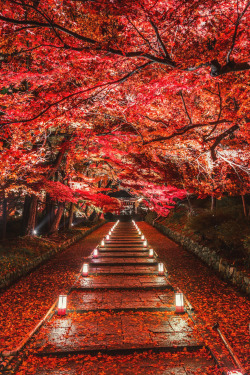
(27, 301)
(213, 299)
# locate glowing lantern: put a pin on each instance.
(62, 305)
(102, 243)
(85, 269)
(139, 232)
(95, 253)
(179, 302)
(142, 237)
(145, 243)
(151, 253)
(34, 231)
(107, 237)
(160, 268)
(110, 232)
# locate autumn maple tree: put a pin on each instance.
(148, 94)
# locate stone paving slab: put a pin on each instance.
(112, 240)
(140, 261)
(138, 245)
(109, 331)
(124, 250)
(115, 299)
(120, 254)
(139, 364)
(119, 281)
(124, 269)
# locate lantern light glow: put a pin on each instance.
(179, 302)
(95, 253)
(85, 269)
(161, 268)
(151, 253)
(234, 372)
(145, 243)
(102, 243)
(107, 237)
(142, 237)
(62, 305)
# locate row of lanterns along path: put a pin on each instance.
(120, 303)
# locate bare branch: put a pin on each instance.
(185, 107)
(104, 85)
(185, 129)
(219, 139)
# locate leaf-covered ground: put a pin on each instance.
(16, 253)
(213, 299)
(27, 301)
(198, 363)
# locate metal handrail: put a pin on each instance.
(230, 349)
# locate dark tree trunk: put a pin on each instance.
(29, 215)
(4, 218)
(26, 208)
(92, 216)
(49, 212)
(213, 203)
(244, 205)
(71, 214)
(55, 225)
(31, 221)
(64, 217)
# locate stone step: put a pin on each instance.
(125, 270)
(118, 249)
(121, 254)
(154, 364)
(121, 282)
(123, 300)
(125, 245)
(107, 331)
(123, 262)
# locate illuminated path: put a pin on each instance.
(121, 319)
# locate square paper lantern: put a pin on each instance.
(95, 253)
(102, 243)
(85, 269)
(179, 302)
(142, 237)
(151, 253)
(160, 268)
(107, 237)
(62, 305)
(145, 243)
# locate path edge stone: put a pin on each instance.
(227, 272)
(11, 277)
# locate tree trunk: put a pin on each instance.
(31, 222)
(4, 217)
(244, 205)
(71, 214)
(49, 216)
(55, 225)
(213, 203)
(191, 211)
(26, 208)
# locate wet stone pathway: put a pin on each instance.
(122, 306)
